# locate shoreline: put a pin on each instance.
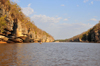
(2, 42)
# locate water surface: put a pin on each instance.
(50, 54)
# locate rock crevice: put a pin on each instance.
(17, 31)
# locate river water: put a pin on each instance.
(50, 54)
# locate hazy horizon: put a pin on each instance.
(62, 19)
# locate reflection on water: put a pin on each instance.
(50, 54)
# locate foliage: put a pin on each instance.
(2, 23)
(86, 36)
(16, 13)
(62, 40)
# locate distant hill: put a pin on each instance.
(16, 27)
(91, 35)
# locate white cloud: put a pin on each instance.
(44, 18)
(59, 30)
(85, 1)
(93, 19)
(56, 15)
(91, 2)
(66, 19)
(28, 10)
(62, 5)
(15, 1)
(66, 30)
(77, 5)
(29, 5)
(95, 16)
(77, 25)
(65, 14)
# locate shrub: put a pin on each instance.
(2, 23)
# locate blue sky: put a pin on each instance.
(62, 18)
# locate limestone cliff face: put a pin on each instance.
(17, 31)
(92, 35)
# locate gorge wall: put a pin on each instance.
(92, 35)
(16, 27)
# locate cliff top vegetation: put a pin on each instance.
(16, 13)
(87, 33)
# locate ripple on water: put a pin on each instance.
(50, 54)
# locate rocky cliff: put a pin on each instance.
(92, 35)
(16, 27)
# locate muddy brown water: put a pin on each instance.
(50, 54)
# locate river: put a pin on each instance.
(50, 54)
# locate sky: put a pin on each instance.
(62, 19)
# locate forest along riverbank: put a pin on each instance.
(91, 35)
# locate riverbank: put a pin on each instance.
(2, 42)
